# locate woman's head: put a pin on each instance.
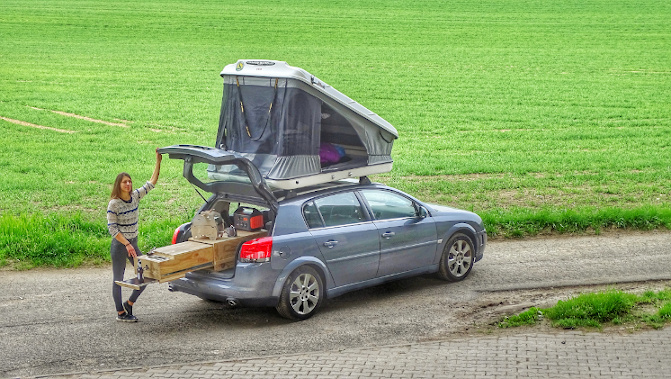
(122, 184)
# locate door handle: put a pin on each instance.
(388, 234)
(330, 244)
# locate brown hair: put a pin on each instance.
(116, 190)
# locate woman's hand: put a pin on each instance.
(131, 251)
(157, 168)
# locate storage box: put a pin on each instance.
(248, 219)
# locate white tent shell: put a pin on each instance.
(282, 118)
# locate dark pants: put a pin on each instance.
(119, 256)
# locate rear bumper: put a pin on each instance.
(252, 285)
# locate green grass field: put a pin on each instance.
(540, 116)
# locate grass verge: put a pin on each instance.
(521, 222)
(66, 240)
(75, 238)
(595, 310)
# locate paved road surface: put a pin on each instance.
(527, 355)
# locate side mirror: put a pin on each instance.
(422, 212)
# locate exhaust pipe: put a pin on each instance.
(232, 303)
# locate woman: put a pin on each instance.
(122, 222)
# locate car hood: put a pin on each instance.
(438, 210)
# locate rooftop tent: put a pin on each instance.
(296, 129)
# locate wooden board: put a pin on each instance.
(134, 283)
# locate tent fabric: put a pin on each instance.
(279, 120)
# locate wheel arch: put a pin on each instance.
(313, 262)
(463, 228)
(455, 262)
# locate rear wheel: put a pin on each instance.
(458, 258)
(302, 294)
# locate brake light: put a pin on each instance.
(174, 236)
(257, 250)
(177, 233)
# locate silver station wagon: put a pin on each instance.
(325, 240)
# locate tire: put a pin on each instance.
(457, 259)
(302, 294)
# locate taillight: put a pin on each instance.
(257, 250)
(176, 234)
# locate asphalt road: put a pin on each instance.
(58, 321)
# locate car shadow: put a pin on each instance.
(382, 292)
(211, 315)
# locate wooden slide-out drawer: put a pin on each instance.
(172, 262)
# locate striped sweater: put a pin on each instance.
(123, 216)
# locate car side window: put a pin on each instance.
(312, 216)
(387, 205)
(339, 209)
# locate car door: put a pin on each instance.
(407, 237)
(348, 240)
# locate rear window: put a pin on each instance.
(312, 217)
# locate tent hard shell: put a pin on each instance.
(297, 130)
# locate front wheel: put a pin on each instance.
(301, 295)
(457, 259)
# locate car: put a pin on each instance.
(291, 165)
(322, 240)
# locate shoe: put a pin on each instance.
(128, 308)
(125, 317)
